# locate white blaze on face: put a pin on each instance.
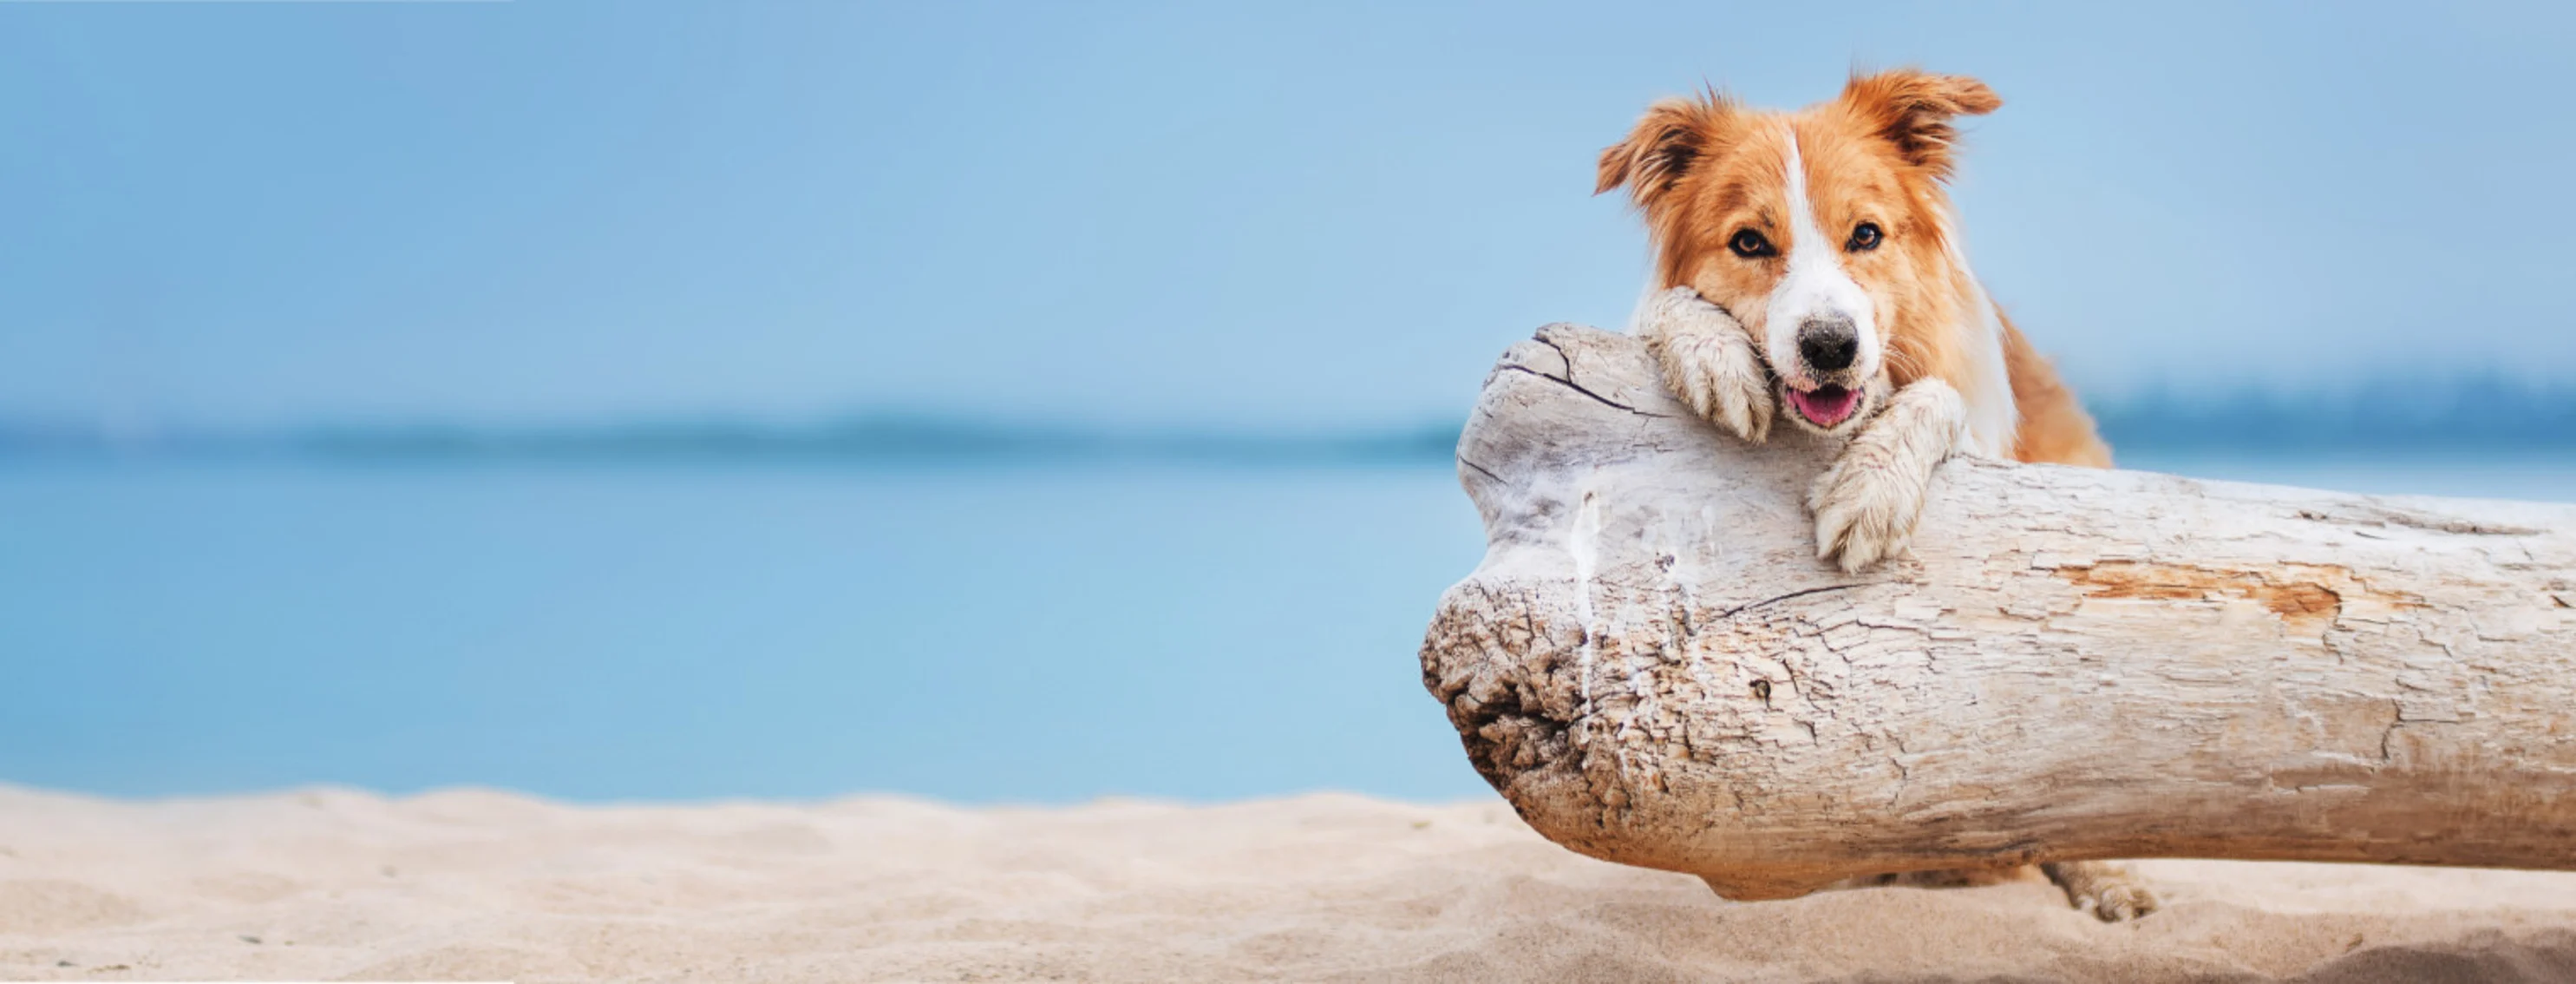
(1816, 287)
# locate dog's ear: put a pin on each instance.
(1673, 135)
(1912, 109)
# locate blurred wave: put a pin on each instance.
(2385, 413)
(893, 440)
(2469, 414)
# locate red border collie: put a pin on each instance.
(1810, 264)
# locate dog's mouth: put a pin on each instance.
(1825, 406)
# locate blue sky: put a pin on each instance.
(1290, 215)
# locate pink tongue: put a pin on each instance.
(1826, 405)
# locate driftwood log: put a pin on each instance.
(1654, 668)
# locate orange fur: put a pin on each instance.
(1702, 169)
(2054, 427)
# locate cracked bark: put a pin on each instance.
(1653, 667)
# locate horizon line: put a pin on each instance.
(2463, 415)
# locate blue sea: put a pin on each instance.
(601, 630)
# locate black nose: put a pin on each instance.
(1828, 344)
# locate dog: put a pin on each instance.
(1809, 264)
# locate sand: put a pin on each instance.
(329, 884)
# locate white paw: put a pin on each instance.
(1709, 362)
(2119, 902)
(1866, 504)
(2110, 891)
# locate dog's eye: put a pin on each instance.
(1864, 236)
(1749, 244)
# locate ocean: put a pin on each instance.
(601, 630)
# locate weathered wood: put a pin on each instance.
(1653, 666)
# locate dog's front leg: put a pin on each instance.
(1709, 361)
(1867, 503)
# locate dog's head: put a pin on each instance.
(1825, 232)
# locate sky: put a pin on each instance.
(1287, 216)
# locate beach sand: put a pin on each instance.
(328, 884)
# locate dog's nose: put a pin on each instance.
(1828, 344)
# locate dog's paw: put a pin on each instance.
(2111, 892)
(1866, 504)
(1709, 362)
(2119, 903)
